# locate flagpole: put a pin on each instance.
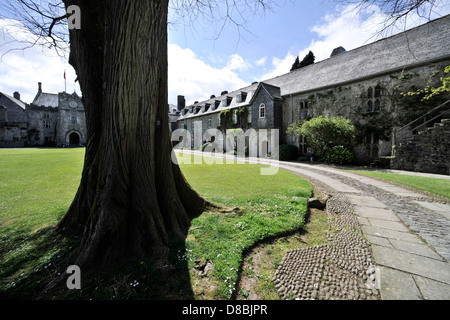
(65, 82)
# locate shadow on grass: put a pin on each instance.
(29, 262)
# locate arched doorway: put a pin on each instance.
(74, 139)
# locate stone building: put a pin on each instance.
(364, 84)
(50, 120)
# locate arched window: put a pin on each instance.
(377, 92)
(262, 110)
(377, 105)
(373, 101)
(303, 109)
(370, 93)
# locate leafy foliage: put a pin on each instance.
(296, 64)
(429, 92)
(325, 133)
(339, 155)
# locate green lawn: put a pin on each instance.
(38, 185)
(440, 187)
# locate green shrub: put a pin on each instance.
(325, 133)
(339, 155)
(288, 152)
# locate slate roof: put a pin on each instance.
(14, 100)
(218, 104)
(424, 44)
(46, 99)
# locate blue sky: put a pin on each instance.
(200, 65)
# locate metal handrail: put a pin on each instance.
(424, 115)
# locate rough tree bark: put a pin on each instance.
(131, 198)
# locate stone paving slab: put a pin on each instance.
(379, 241)
(390, 234)
(376, 213)
(365, 201)
(432, 290)
(412, 263)
(421, 250)
(398, 285)
(386, 224)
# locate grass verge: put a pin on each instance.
(440, 187)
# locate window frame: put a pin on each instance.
(262, 107)
(374, 99)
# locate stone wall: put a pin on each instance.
(428, 151)
(13, 135)
(42, 123)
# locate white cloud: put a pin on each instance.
(261, 62)
(238, 63)
(196, 80)
(279, 66)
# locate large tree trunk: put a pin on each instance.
(131, 197)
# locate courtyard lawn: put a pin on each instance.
(38, 185)
(440, 187)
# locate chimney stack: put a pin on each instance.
(181, 103)
(337, 51)
(16, 95)
(39, 86)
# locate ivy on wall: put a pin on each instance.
(227, 117)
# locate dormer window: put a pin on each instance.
(241, 97)
(206, 108)
(226, 102)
